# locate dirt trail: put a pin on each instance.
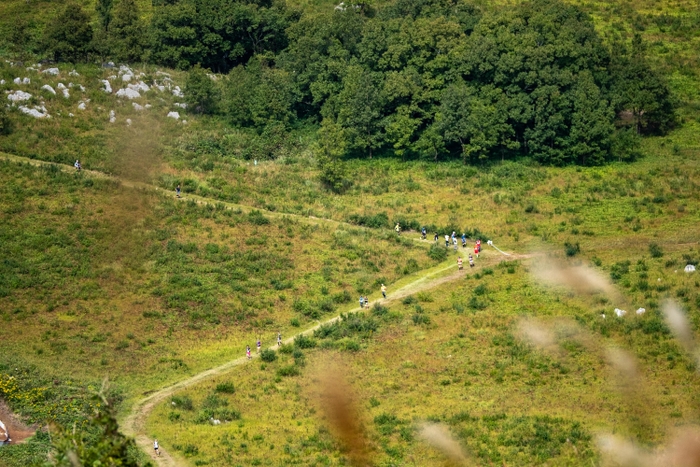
(18, 430)
(134, 424)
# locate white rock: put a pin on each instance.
(177, 92)
(182, 106)
(70, 85)
(620, 313)
(140, 86)
(174, 115)
(18, 96)
(161, 88)
(184, 122)
(31, 68)
(17, 81)
(603, 315)
(61, 86)
(71, 115)
(125, 70)
(215, 421)
(51, 71)
(46, 87)
(26, 81)
(108, 87)
(128, 93)
(81, 106)
(689, 268)
(112, 116)
(81, 87)
(148, 106)
(128, 122)
(641, 311)
(136, 106)
(36, 112)
(127, 77)
(74, 73)
(66, 94)
(112, 77)
(2, 81)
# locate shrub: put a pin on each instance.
(182, 402)
(304, 342)
(655, 250)
(376, 221)
(268, 355)
(342, 297)
(201, 93)
(289, 370)
(437, 252)
(256, 217)
(420, 318)
(225, 387)
(572, 249)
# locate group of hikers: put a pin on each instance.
(259, 345)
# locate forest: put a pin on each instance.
(412, 79)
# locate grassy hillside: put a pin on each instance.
(113, 276)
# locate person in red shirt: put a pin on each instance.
(476, 250)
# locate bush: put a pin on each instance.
(225, 387)
(304, 342)
(437, 252)
(289, 370)
(572, 249)
(268, 355)
(182, 402)
(256, 217)
(69, 36)
(655, 250)
(420, 318)
(376, 221)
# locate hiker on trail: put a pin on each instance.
(459, 263)
(423, 233)
(156, 448)
(279, 339)
(447, 241)
(464, 240)
(247, 352)
(77, 165)
(362, 301)
(478, 245)
(178, 191)
(259, 345)
(436, 237)
(454, 242)
(7, 439)
(476, 250)
(383, 290)
(398, 229)
(366, 302)
(454, 235)
(471, 261)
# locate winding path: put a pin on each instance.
(134, 424)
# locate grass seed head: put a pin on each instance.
(439, 436)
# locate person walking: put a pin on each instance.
(178, 191)
(362, 301)
(398, 229)
(77, 165)
(383, 290)
(464, 240)
(259, 345)
(471, 261)
(447, 241)
(476, 250)
(247, 352)
(454, 242)
(156, 447)
(459, 263)
(478, 245)
(279, 339)
(436, 237)
(423, 233)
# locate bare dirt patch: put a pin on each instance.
(19, 432)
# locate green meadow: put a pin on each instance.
(105, 273)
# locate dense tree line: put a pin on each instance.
(414, 78)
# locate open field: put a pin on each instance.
(105, 273)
